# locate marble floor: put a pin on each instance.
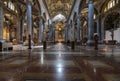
(59, 63)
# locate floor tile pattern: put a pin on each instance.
(59, 63)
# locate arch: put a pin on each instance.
(59, 17)
(38, 4)
(105, 4)
(110, 20)
(80, 7)
(112, 25)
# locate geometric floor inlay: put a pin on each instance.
(98, 64)
(18, 62)
(57, 63)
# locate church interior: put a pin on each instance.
(59, 40)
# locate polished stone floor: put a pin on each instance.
(59, 63)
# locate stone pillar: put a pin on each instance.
(72, 36)
(73, 31)
(44, 40)
(29, 22)
(18, 30)
(1, 22)
(22, 35)
(66, 34)
(54, 34)
(40, 29)
(99, 29)
(90, 24)
(78, 27)
(32, 35)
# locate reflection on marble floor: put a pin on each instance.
(60, 63)
(97, 64)
(57, 63)
(18, 62)
(112, 77)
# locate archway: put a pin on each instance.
(59, 24)
(111, 26)
(10, 26)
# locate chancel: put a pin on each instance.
(59, 40)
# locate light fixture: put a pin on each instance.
(59, 29)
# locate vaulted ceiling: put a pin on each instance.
(56, 7)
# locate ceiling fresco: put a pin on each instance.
(56, 7)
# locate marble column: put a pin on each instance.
(32, 35)
(54, 34)
(73, 30)
(18, 30)
(90, 24)
(78, 27)
(66, 34)
(1, 22)
(40, 29)
(43, 30)
(22, 30)
(29, 22)
(72, 36)
(99, 29)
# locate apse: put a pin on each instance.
(59, 17)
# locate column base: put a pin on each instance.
(0, 46)
(44, 45)
(72, 45)
(29, 42)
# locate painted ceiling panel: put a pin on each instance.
(56, 7)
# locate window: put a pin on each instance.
(11, 6)
(110, 4)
